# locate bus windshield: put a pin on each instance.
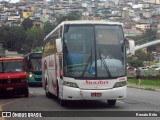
(34, 62)
(11, 66)
(94, 51)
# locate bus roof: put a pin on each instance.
(91, 22)
(74, 22)
(11, 58)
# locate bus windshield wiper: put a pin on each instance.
(88, 62)
(38, 61)
(105, 65)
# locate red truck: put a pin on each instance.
(13, 77)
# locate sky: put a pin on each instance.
(14, 1)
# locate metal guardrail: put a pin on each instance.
(152, 73)
(143, 43)
(146, 40)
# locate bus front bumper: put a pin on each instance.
(70, 93)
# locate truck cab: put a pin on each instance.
(13, 77)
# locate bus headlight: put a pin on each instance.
(30, 75)
(120, 84)
(70, 84)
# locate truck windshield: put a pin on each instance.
(94, 51)
(11, 66)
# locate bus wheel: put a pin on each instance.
(111, 102)
(48, 94)
(62, 102)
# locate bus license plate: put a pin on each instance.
(96, 94)
(9, 88)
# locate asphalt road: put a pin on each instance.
(137, 100)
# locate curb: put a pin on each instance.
(144, 88)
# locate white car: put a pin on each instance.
(143, 68)
(157, 68)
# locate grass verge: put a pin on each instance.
(148, 82)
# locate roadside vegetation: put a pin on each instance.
(29, 36)
(147, 56)
(148, 82)
(149, 77)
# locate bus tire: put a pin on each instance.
(62, 102)
(111, 102)
(48, 94)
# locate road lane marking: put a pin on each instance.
(30, 92)
(2, 105)
(120, 101)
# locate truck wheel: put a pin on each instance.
(111, 102)
(26, 93)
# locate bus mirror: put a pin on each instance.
(131, 47)
(59, 45)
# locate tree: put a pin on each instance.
(150, 35)
(135, 62)
(34, 38)
(3, 34)
(15, 36)
(27, 23)
(48, 27)
(139, 58)
(69, 16)
(140, 55)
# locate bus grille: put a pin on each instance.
(8, 81)
(38, 79)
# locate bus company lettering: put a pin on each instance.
(51, 62)
(122, 79)
(89, 82)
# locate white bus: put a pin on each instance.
(85, 60)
